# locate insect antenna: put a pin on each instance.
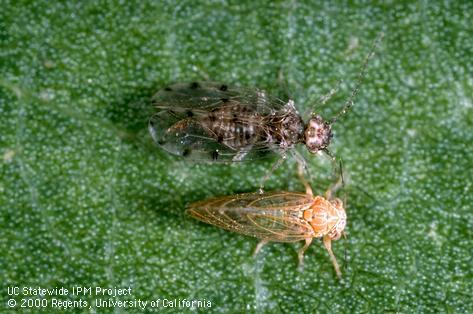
(344, 234)
(340, 163)
(349, 103)
(345, 248)
(322, 100)
(332, 157)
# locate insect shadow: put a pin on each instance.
(129, 113)
(169, 209)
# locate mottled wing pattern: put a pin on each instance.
(176, 127)
(275, 216)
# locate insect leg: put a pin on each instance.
(335, 186)
(268, 174)
(241, 154)
(301, 170)
(323, 99)
(300, 253)
(328, 247)
(259, 246)
(284, 84)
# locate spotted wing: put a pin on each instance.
(178, 129)
(206, 96)
(275, 216)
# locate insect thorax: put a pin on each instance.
(323, 216)
(286, 129)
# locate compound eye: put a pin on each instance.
(311, 132)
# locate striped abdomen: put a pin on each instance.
(235, 126)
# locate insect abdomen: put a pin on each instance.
(234, 126)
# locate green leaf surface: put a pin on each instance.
(87, 199)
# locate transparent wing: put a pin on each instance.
(177, 126)
(206, 96)
(185, 136)
(275, 216)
